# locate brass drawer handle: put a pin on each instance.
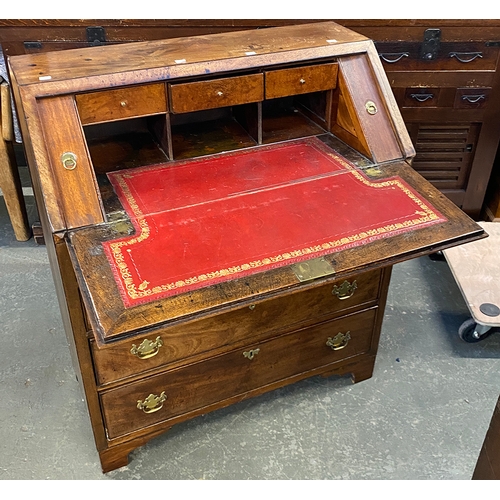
(345, 291)
(339, 341)
(466, 57)
(68, 160)
(220, 93)
(302, 81)
(147, 348)
(152, 403)
(251, 353)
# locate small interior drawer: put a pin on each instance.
(222, 92)
(472, 98)
(192, 340)
(294, 81)
(117, 104)
(199, 385)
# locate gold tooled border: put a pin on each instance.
(141, 291)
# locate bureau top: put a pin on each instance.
(199, 55)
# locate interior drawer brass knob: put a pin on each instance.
(339, 341)
(152, 403)
(345, 290)
(147, 348)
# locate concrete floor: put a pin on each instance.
(423, 415)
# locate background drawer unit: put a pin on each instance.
(196, 96)
(187, 340)
(221, 378)
(118, 104)
(294, 81)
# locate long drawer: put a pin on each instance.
(166, 345)
(177, 392)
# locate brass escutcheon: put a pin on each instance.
(371, 107)
(339, 341)
(152, 403)
(147, 348)
(68, 160)
(345, 291)
(251, 354)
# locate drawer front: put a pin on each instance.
(117, 104)
(197, 96)
(196, 386)
(445, 97)
(472, 98)
(294, 81)
(450, 56)
(176, 343)
(418, 97)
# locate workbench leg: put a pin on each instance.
(10, 184)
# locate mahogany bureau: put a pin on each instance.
(222, 214)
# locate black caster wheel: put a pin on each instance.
(471, 332)
(438, 256)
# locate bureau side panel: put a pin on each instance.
(78, 192)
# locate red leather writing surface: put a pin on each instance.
(210, 220)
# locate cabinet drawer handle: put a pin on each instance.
(220, 93)
(152, 403)
(473, 98)
(302, 81)
(147, 348)
(345, 291)
(251, 353)
(466, 57)
(339, 341)
(393, 57)
(422, 97)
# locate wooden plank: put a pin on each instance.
(488, 463)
